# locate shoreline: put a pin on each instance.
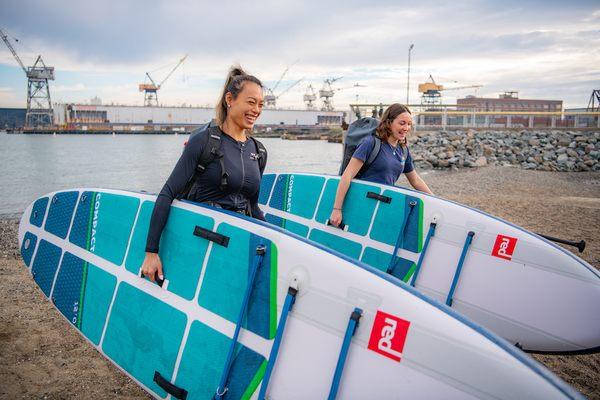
(42, 357)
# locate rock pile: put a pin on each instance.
(541, 150)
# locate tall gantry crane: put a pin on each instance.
(310, 97)
(326, 93)
(39, 105)
(432, 91)
(151, 89)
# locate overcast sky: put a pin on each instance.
(542, 49)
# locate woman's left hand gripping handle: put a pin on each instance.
(152, 268)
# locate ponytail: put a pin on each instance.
(234, 85)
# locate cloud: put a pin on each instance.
(107, 47)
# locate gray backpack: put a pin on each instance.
(357, 131)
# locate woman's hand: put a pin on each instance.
(335, 218)
(152, 267)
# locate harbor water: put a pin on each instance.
(33, 165)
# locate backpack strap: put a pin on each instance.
(372, 155)
(262, 155)
(374, 151)
(210, 150)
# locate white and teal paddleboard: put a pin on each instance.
(524, 288)
(353, 331)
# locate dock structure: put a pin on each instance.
(465, 116)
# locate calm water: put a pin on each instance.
(35, 165)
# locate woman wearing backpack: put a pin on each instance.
(392, 160)
(220, 165)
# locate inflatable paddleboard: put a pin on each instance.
(528, 290)
(248, 310)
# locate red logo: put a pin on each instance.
(388, 335)
(504, 247)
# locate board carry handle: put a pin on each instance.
(290, 299)
(222, 389)
(461, 261)
(580, 245)
(175, 391)
(339, 368)
(212, 236)
(430, 234)
(159, 282)
(400, 238)
(341, 226)
(379, 197)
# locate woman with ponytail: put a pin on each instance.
(392, 160)
(231, 179)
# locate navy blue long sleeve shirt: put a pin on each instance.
(241, 192)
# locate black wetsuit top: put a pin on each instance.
(240, 194)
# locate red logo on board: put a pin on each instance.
(388, 335)
(504, 247)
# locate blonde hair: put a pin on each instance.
(234, 85)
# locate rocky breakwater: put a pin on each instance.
(539, 150)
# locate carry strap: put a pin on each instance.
(174, 391)
(258, 259)
(430, 234)
(350, 330)
(400, 238)
(463, 254)
(290, 299)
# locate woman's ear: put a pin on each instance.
(228, 99)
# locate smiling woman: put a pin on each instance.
(221, 164)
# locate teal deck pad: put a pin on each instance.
(110, 236)
(297, 194)
(61, 210)
(144, 335)
(45, 265)
(294, 227)
(38, 211)
(99, 289)
(28, 246)
(69, 288)
(182, 254)
(344, 246)
(206, 351)
(266, 184)
(82, 223)
(358, 209)
(403, 270)
(388, 222)
(247, 371)
(226, 279)
(82, 293)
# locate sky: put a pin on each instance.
(542, 49)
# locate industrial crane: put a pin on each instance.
(39, 106)
(327, 92)
(271, 97)
(310, 97)
(432, 92)
(150, 89)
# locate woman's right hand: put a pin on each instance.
(152, 267)
(335, 218)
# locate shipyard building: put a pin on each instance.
(139, 118)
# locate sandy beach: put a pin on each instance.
(42, 357)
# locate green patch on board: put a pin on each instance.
(403, 269)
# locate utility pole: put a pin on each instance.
(408, 75)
